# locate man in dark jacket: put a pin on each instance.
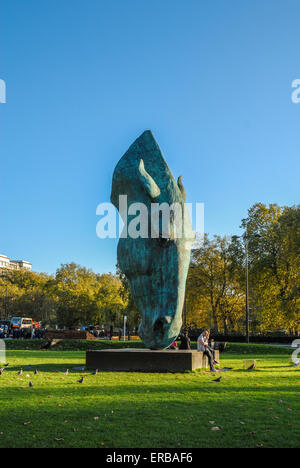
(185, 341)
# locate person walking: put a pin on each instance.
(185, 342)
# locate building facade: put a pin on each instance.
(7, 264)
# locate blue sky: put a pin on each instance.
(212, 79)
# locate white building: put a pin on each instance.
(7, 264)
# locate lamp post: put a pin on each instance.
(125, 320)
(246, 238)
(5, 303)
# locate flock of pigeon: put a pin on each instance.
(31, 384)
(80, 381)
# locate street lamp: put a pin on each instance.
(5, 304)
(246, 238)
(125, 320)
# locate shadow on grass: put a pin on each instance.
(139, 423)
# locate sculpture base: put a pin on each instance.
(146, 360)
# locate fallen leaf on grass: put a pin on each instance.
(215, 428)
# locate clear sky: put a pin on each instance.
(212, 79)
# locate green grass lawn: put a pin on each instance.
(250, 409)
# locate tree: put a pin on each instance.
(131, 311)
(213, 288)
(274, 265)
(28, 295)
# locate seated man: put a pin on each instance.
(202, 345)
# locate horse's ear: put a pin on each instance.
(148, 182)
(181, 188)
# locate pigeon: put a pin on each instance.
(218, 380)
(36, 372)
(81, 380)
(67, 372)
(6, 365)
(296, 363)
(20, 372)
(1, 371)
(95, 372)
(30, 384)
(47, 345)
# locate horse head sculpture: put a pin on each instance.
(156, 261)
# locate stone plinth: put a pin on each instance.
(146, 360)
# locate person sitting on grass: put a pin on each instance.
(202, 345)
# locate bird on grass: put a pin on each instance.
(20, 372)
(95, 372)
(30, 384)
(296, 364)
(1, 371)
(6, 365)
(218, 380)
(81, 380)
(67, 372)
(36, 372)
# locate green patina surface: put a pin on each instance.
(155, 263)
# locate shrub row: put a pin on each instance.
(83, 345)
(266, 339)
